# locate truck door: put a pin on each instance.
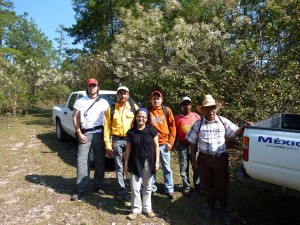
(68, 114)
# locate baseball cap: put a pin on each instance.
(92, 81)
(123, 88)
(186, 98)
(156, 93)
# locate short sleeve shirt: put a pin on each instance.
(142, 147)
(95, 115)
(210, 139)
(183, 125)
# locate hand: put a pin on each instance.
(168, 147)
(194, 165)
(82, 138)
(109, 153)
(126, 169)
(156, 167)
(248, 123)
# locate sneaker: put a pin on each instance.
(100, 191)
(150, 214)
(77, 197)
(132, 216)
(120, 197)
(171, 195)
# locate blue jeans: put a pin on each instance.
(165, 158)
(184, 162)
(95, 143)
(119, 147)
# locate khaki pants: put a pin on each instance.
(139, 205)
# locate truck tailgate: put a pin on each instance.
(274, 156)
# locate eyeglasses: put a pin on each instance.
(141, 117)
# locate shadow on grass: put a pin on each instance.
(67, 150)
(63, 185)
(180, 211)
(259, 203)
(40, 112)
(58, 183)
(39, 116)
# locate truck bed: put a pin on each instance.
(280, 121)
(271, 150)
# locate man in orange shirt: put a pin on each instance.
(165, 125)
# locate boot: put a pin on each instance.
(223, 208)
(208, 214)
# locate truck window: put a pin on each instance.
(111, 98)
(72, 101)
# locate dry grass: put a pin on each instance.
(37, 177)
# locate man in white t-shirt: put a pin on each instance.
(88, 120)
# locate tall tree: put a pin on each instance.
(62, 45)
(7, 18)
(29, 42)
(97, 21)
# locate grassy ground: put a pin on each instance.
(37, 178)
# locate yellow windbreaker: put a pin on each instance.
(119, 125)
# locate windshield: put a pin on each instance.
(112, 98)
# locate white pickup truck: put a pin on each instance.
(271, 150)
(62, 115)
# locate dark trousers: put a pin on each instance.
(214, 174)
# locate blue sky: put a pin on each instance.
(48, 15)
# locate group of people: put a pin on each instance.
(141, 140)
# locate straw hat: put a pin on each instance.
(208, 100)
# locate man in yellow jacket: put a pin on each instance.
(115, 129)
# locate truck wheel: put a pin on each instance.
(61, 135)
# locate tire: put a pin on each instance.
(61, 135)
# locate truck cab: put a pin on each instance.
(62, 115)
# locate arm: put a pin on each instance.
(240, 131)
(126, 157)
(175, 146)
(172, 130)
(107, 131)
(193, 156)
(76, 123)
(156, 148)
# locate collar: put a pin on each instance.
(126, 105)
(216, 120)
(190, 113)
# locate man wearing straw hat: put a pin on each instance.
(207, 136)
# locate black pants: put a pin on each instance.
(214, 174)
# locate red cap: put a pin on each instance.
(156, 93)
(92, 81)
